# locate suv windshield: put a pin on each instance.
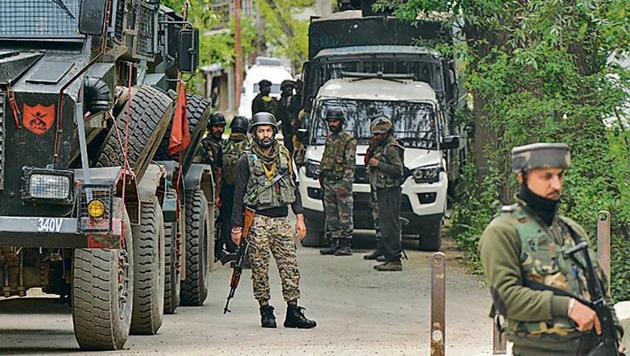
(414, 123)
(39, 18)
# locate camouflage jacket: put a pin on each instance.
(390, 171)
(212, 152)
(338, 160)
(518, 247)
(233, 148)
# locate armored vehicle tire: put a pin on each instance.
(148, 297)
(171, 272)
(101, 312)
(314, 238)
(194, 289)
(149, 118)
(431, 239)
(198, 110)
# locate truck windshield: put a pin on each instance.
(414, 123)
(39, 19)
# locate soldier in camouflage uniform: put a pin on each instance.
(377, 254)
(263, 102)
(265, 182)
(336, 178)
(233, 149)
(522, 252)
(212, 152)
(386, 175)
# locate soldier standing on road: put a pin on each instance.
(524, 247)
(336, 178)
(262, 101)
(233, 149)
(377, 254)
(265, 182)
(386, 175)
(283, 113)
(213, 152)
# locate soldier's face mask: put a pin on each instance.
(544, 182)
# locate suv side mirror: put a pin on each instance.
(188, 56)
(450, 142)
(92, 17)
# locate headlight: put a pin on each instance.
(427, 174)
(96, 208)
(46, 184)
(312, 169)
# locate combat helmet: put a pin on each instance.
(335, 113)
(217, 119)
(239, 124)
(263, 118)
(380, 125)
(540, 155)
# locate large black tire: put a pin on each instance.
(150, 115)
(148, 297)
(198, 110)
(194, 289)
(172, 272)
(101, 313)
(431, 239)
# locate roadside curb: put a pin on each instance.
(623, 313)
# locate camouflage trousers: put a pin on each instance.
(273, 235)
(374, 205)
(338, 203)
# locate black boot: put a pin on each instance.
(296, 319)
(344, 248)
(334, 246)
(267, 319)
(374, 255)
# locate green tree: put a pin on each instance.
(544, 71)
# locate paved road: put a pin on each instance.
(359, 312)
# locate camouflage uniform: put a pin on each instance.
(212, 152)
(523, 247)
(337, 170)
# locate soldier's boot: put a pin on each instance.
(389, 266)
(381, 258)
(267, 319)
(295, 318)
(344, 248)
(334, 246)
(374, 255)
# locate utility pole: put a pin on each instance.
(238, 62)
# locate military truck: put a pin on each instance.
(93, 208)
(369, 64)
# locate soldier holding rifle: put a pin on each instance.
(538, 266)
(265, 183)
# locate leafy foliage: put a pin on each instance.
(544, 71)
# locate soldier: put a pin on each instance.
(213, 152)
(523, 256)
(283, 113)
(262, 101)
(265, 182)
(233, 149)
(336, 178)
(386, 175)
(377, 254)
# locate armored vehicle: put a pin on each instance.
(93, 207)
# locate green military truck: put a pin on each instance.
(92, 206)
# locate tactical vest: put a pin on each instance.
(232, 151)
(543, 261)
(259, 194)
(333, 159)
(379, 178)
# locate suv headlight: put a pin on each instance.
(312, 169)
(47, 185)
(427, 174)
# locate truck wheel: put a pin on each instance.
(195, 286)
(198, 110)
(148, 297)
(431, 239)
(149, 117)
(171, 257)
(102, 295)
(314, 238)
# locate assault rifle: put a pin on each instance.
(608, 343)
(241, 255)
